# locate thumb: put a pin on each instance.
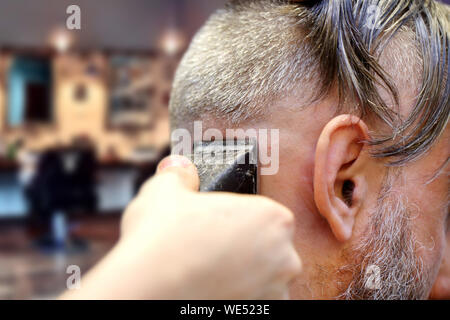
(180, 167)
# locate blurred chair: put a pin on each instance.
(64, 184)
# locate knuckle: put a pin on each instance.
(288, 217)
(282, 214)
(146, 186)
(170, 180)
(132, 209)
(293, 265)
(133, 206)
(296, 264)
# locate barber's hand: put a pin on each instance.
(177, 243)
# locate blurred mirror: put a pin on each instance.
(132, 89)
(29, 91)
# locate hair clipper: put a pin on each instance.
(227, 165)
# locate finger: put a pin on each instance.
(290, 265)
(295, 265)
(181, 168)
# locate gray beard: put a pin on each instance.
(387, 265)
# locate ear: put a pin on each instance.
(339, 182)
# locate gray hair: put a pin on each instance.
(389, 245)
(253, 52)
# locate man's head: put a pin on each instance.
(359, 91)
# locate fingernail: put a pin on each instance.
(174, 161)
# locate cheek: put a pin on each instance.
(429, 227)
(292, 184)
(428, 210)
(430, 248)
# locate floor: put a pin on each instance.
(28, 273)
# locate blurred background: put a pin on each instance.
(83, 122)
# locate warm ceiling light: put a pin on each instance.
(172, 42)
(61, 40)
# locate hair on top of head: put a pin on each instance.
(255, 51)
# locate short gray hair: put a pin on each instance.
(253, 52)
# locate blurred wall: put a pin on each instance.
(107, 26)
(133, 24)
(89, 117)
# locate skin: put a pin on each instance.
(177, 243)
(316, 157)
(441, 288)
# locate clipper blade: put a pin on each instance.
(227, 165)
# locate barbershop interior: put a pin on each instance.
(351, 190)
(83, 123)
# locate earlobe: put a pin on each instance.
(339, 185)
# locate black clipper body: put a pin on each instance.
(227, 165)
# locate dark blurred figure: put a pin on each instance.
(64, 183)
